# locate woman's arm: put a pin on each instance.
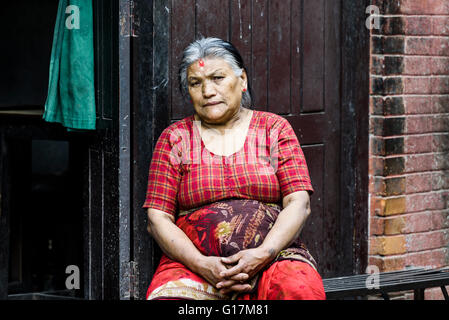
(172, 240)
(285, 230)
(177, 246)
(289, 223)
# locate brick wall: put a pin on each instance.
(409, 136)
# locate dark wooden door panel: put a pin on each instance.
(183, 32)
(212, 18)
(292, 51)
(278, 54)
(314, 46)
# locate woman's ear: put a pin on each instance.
(244, 79)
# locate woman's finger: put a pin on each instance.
(237, 279)
(240, 277)
(238, 268)
(231, 259)
(226, 283)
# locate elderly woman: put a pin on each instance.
(228, 192)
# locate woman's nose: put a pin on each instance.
(208, 89)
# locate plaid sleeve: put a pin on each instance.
(292, 171)
(164, 176)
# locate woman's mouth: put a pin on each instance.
(212, 103)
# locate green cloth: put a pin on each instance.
(71, 92)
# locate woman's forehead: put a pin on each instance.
(207, 66)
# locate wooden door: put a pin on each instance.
(291, 48)
(307, 61)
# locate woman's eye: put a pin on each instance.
(216, 78)
(194, 84)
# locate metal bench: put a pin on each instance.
(416, 279)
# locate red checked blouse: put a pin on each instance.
(184, 175)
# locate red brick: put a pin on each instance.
(375, 245)
(394, 146)
(421, 66)
(440, 142)
(387, 245)
(394, 166)
(419, 163)
(440, 219)
(394, 225)
(418, 222)
(387, 45)
(394, 186)
(440, 180)
(376, 226)
(421, 85)
(439, 65)
(440, 104)
(392, 245)
(440, 26)
(391, 263)
(427, 240)
(393, 126)
(420, 104)
(386, 85)
(376, 166)
(433, 258)
(376, 186)
(418, 183)
(376, 125)
(417, 65)
(439, 84)
(375, 261)
(388, 206)
(390, 26)
(441, 161)
(418, 144)
(440, 123)
(376, 105)
(439, 7)
(418, 25)
(432, 46)
(419, 124)
(376, 206)
(420, 46)
(425, 201)
(393, 105)
(377, 65)
(376, 145)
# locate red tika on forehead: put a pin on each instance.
(201, 63)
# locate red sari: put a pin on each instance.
(228, 203)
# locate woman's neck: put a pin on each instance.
(237, 120)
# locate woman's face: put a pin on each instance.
(215, 90)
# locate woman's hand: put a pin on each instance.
(249, 262)
(285, 230)
(211, 268)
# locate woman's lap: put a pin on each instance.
(289, 280)
(283, 280)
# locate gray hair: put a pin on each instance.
(212, 47)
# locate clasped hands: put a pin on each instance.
(231, 274)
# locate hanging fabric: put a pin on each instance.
(71, 92)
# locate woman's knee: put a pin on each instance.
(294, 280)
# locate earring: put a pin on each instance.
(244, 89)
